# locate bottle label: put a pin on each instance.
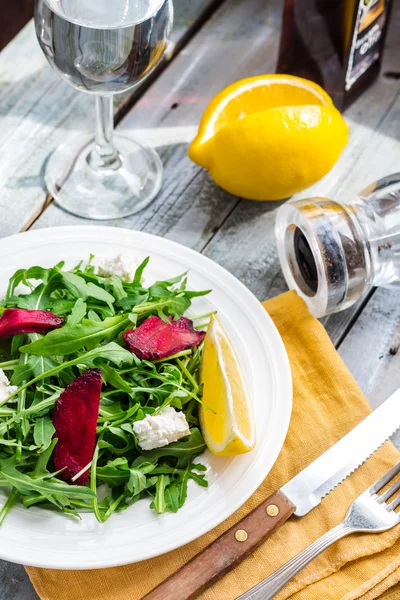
(365, 48)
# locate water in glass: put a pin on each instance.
(103, 46)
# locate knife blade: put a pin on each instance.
(307, 489)
(299, 496)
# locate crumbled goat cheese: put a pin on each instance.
(5, 388)
(165, 427)
(118, 265)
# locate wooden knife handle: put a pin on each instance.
(226, 551)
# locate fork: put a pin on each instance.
(369, 513)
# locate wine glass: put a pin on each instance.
(103, 47)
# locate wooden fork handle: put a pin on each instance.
(226, 551)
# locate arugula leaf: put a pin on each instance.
(132, 301)
(117, 440)
(16, 343)
(44, 457)
(159, 503)
(93, 316)
(178, 306)
(167, 283)
(112, 476)
(62, 306)
(43, 432)
(23, 482)
(110, 409)
(183, 450)
(35, 366)
(23, 276)
(13, 497)
(112, 377)
(13, 283)
(77, 313)
(190, 471)
(80, 289)
(112, 352)
(39, 299)
(69, 339)
(139, 272)
(138, 482)
(192, 294)
(176, 493)
(115, 284)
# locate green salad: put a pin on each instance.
(65, 329)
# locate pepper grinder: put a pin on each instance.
(332, 252)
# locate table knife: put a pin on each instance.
(299, 496)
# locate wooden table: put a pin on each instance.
(214, 43)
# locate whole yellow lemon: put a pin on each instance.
(268, 137)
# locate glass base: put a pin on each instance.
(105, 193)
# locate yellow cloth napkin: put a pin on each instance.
(327, 404)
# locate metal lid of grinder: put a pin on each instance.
(322, 253)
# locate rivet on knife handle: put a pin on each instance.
(226, 551)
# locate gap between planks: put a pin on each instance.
(49, 199)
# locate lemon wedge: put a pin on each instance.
(226, 415)
(269, 137)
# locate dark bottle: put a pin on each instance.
(336, 43)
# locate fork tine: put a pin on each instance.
(378, 485)
(393, 505)
(389, 493)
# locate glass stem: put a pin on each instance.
(104, 156)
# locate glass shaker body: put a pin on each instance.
(332, 252)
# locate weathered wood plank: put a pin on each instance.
(38, 111)
(15, 583)
(371, 349)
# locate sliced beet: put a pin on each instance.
(75, 420)
(19, 320)
(155, 338)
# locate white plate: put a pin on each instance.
(44, 538)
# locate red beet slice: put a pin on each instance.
(19, 320)
(155, 338)
(75, 419)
